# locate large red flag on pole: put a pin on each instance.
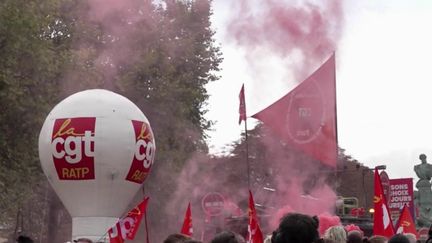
(242, 106)
(306, 116)
(187, 222)
(254, 231)
(127, 226)
(382, 223)
(406, 222)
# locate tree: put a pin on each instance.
(168, 83)
(32, 55)
(159, 56)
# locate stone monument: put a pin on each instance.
(424, 195)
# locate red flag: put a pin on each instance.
(242, 106)
(383, 224)
(254, 231)
(406, 223)
(187, 223)
(306, 116)
(127, 226)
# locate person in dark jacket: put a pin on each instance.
(297, 228)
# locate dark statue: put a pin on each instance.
(423, 197)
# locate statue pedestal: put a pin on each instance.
(424, 200)
(425, 192)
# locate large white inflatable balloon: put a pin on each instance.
(96, 148)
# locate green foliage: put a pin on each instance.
(30, 66)
(159, 56)
(177, 59)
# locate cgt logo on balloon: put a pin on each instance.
(144, 152)
(73, 148)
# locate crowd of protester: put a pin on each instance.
(293, 228)
(301, 228)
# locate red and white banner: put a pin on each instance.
(306, 116)
(127, 226)
(401, 193)
(73, 148)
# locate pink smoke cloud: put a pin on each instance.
(301, 35)
(306, 32)
(326, 221)
(112, 30)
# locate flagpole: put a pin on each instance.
(336, 174)
(247, 154)
(243, 117)
(335, 109)
(145, 219)
(146, 228)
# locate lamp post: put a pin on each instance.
(380, 167)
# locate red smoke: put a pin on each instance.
(306, 32)
(123, 21)
(301, 34)
(283, 176)
(112, 30)
(326, 221)
(292, 173)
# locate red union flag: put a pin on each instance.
(187, 222)
(242, 105)
(73, 148)
(382, 223)
(144, 152)
(306, 116)
(254, 231)
(406, 223)
(127, 226)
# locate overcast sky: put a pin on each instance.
(384, 83)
